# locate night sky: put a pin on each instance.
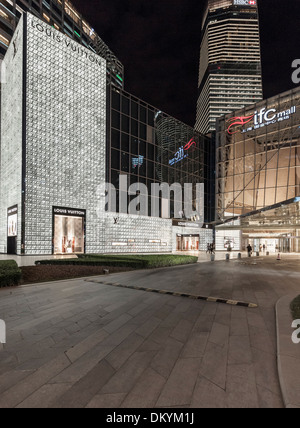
(158, 42)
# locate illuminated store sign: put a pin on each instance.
(238, 121)
(69, 212)
(260, 119)
(60, 38)
(181, 223)
(244, 2)
(190, 224)
(182, 152)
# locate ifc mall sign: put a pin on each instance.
(260, 119)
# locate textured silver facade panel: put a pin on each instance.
(66, 133)
(135, 234)
(11, 135)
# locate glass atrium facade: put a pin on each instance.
(258, 168)
(149, 146)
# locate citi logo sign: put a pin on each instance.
(182, 152)
(2, 332)
(260, 119)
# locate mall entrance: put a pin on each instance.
(283, 244)
(188, 242)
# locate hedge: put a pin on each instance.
(91, 262)
(10, 274)
(135, 262)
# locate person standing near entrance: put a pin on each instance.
(249, 248)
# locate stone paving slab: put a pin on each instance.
(80, 344)
(178, 390)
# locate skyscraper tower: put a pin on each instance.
(230, 60)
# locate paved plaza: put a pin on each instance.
(81, 344)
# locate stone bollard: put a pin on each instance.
(239, 256)
(212, 257)
(268, 253)
(227, 257)
(257, 254)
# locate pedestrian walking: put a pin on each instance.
(249, 248)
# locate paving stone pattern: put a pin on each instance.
(81, 344)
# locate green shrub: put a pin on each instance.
(10, 274)
(92, 262)
(132, 261)
(295, 308)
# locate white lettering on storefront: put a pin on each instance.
(59, 38)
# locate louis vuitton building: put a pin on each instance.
(258, 176)
(65, 131)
